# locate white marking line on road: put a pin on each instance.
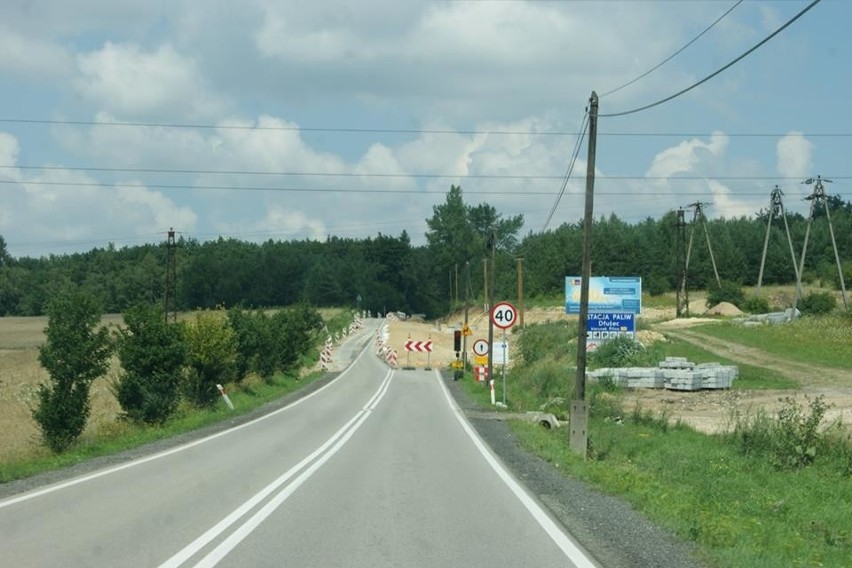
(568, 547)
(134, 463)
(235, 538)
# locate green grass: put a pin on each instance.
(740, 511)
(750, 377)
(818, 340)
(120, 436)
(729, 494)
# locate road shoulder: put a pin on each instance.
(611, 530)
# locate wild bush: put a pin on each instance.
(547, 340)
(731, 292)
(755, 305)
(624, 351)
(211, 357)
(293, 332)
(75, 353)
(791, 439)
(152, 354)
(817, 303)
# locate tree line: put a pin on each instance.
(389, 273)
(162, 363)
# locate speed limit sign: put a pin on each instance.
(504, 315)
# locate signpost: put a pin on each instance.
(420, 347)
(503, 315)
(601, 327)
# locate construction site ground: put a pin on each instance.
(706, 410)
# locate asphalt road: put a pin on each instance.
(377, 468)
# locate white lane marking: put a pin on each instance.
(556, 534)
(140, 461)
(192, 548)
(235, 538)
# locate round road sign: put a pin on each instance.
(504, 315)
(480, 347)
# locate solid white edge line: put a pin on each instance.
(196, 545)
(242, 532)
(554, 531)
(140, 461)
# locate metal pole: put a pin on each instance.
(504, 367)
(579, 416)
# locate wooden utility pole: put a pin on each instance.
(579, 417)
(521, 290)
(492, 244)
(457, 282)
(485, 283)
(466, 308)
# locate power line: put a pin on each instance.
(414, 130)
(675, 54)
(521, 176)
(720, 70)
(575, 153)
(414, 191)
(342, 130)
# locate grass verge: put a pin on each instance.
(750, 377)
(818, 340)
(775, 491)
(740, 511)
(123, 435)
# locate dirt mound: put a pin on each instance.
(724, 309)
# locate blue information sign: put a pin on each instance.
(601, 327)
(606, 294)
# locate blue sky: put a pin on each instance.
(292, 119)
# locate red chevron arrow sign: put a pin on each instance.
(419, 346)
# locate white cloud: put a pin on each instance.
(127, 80)
(33, 58)
(690, 156)
(795, 156)
(149, 211)
(281, 222)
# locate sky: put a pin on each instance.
(293, 120)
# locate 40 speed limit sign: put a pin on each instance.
(504, 315)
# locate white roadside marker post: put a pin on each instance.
(225, 397)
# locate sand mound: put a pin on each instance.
(724, 309)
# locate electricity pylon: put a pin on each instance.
(698, 215)
(818, 197)
(171, 278)
(776, 209)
